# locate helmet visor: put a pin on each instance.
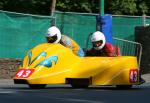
(97, 43)
(51, 39)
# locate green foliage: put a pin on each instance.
(76, 5)
(116, 7)
(127, 7)
(26, 6)
(120, 7)
(143, 7)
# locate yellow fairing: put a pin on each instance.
(53, 63)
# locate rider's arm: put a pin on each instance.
(110, 50)
(68, 42)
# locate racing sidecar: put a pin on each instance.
(56, 64)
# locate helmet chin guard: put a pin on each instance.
(98, 48)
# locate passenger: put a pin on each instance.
(100, 47)
(54, 36)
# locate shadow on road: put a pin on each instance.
(64, 87)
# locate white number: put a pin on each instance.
(19, 74)
(26, 73)
(135, 76)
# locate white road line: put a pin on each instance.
(79, 100)
(3, 91)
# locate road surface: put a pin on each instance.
(18, 93)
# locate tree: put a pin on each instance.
(53, 6)
(122, 7)
(143, 8)
(26, 6)
(77, 5)
(128, 7)
(42, 7)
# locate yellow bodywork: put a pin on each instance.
(65, 64)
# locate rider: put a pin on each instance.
(54, 36)
(100, 47)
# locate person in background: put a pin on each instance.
(54, 36)
(101, 47)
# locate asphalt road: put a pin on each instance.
(66, 94)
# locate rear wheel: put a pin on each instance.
(124, 86)
(79, 85)
(37, 86)
(78, 82)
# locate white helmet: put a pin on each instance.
(53, 35)
(98, 40)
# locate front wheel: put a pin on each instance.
(37, 86)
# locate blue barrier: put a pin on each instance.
(105, 23)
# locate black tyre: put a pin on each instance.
(79, 83)
(37, 86)
(124, 86)
(79, 86)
